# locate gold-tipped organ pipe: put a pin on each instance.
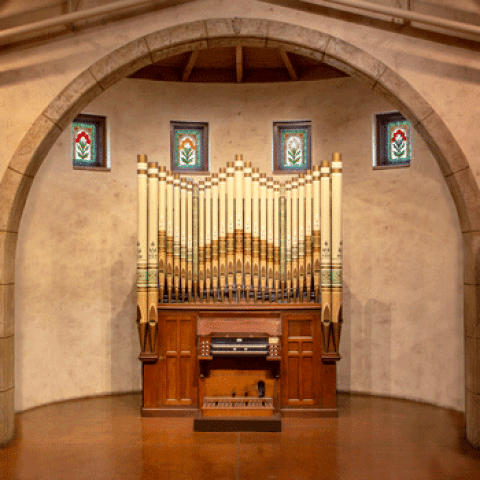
(142, 249)
(222, 241)
(326, 255)
(337, 249)
(152, 257)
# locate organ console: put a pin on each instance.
(239, 282)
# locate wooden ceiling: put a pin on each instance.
(238, 65)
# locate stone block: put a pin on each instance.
(121, 63)
(442, 144)
(6, 363)
(14, 189)
(471, 418)
(236, 41)
(289, 33)
(236, 27)
(178, 49)
(470, 310)
(35, 145)
(288, 47)
(471, 249)
(465, 193)
(470, 364)
(185, 33)
(403, 96)
(7, 310)
(360, 65)
(8, 243)
(7, 416)
(349, 70)
(72, 99)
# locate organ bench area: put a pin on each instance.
(239, 287)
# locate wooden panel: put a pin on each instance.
(179, 380)
(294, 328)
(171, 378)
(186, 378)
(307, 347)
(301, 379)
(308, 380)
(186, 336)
(152, 385)
(170, 335)
(307, 330)
(293, 347)
(293, 378)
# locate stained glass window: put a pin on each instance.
(89, 149)
(189, 147)
(393, 144)
(292, 146)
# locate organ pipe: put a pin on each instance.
(238, 231)
(326, 256)
(142, 243)
(152, 256)
(337, 249)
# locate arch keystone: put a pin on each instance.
(240, 27)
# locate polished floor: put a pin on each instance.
(105, 438)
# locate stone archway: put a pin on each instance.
(18, 178)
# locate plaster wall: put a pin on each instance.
(76, 254)
(446, 75)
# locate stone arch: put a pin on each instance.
(143, 51)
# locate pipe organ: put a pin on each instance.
(251, 252)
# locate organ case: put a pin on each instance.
(244, 325)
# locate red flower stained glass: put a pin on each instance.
(82, 135)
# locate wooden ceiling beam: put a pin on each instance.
(191, 63)
(239, 63)
(288, 64)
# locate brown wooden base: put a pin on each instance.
(301, 382)
(169, 412)
(271, 424)
(309, 412)
(284, 412)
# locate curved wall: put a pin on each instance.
(75, 265)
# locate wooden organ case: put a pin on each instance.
(239, 282)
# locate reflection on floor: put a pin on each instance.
(105, 438)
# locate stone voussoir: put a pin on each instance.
(79, 93)
(221, 42)
(466, 195)
(178, 49)
(444, 141)
(294, 34)
(398, 91)
(6, 363)
(7, 416)
(7, 310)
(470, 310)
(471, 249)
(121, 62)
(14, 189)
(35, 145)
(8, 244)
(236, 27)
(184, 33)
(299, 50)
(355, 58)
(470, 364)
